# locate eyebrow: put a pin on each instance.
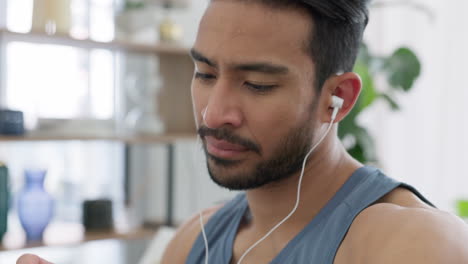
(261, 67)
(197, 56)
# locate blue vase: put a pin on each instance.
(35, 205)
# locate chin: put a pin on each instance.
(236, 179)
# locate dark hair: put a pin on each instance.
(337, 33)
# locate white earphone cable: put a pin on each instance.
(205, 239)
(284, 219)
(297, 197)
(202, 225)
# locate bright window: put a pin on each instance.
(62, 82)
(50, 81)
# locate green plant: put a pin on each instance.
(400, 70)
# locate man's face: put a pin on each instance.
(253, 92)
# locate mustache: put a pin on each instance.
(227, 135)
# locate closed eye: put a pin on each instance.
(260, 87)
(204, 76)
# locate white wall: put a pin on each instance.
(425, 144)
(2, 53)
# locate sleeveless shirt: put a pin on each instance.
(319, 241)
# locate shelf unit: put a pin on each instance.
(176, 67)
(62, 39)
(128, 139)
(174, 102)
(141, 233)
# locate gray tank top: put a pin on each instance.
(318, 242)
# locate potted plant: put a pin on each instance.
(400, 70)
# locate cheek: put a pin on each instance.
(273, 124)
(281, 114)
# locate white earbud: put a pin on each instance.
(337, 103)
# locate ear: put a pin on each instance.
(346, 86)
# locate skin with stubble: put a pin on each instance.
(258, 112)
(259, 108)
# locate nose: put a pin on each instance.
(223, 107)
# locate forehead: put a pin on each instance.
(235, 31)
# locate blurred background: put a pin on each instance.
(95, 97)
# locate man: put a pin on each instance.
(266, 74)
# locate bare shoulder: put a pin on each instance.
(178, 249)
(402, 229)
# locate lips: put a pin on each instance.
(223, 149)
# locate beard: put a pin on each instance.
(286, 160)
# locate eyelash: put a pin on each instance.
(204, 76)
(252, 86)
(260, 88)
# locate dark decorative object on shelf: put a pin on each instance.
(4, 201)
(35, 205)
(97, 215)
(11, 122)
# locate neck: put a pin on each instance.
(326, 170)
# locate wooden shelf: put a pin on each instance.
(63, 39)
(141, 233)
(137, 139)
